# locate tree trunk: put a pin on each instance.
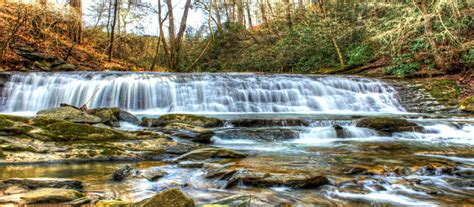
(249, 15)
(263, 12)
(240, 12)
(112, 33)
(76, 28)
(218, 16)
(289, 22)
(301, 9)
(175, 41)
(439, 61)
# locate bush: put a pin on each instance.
(359, 55)
(403, 69)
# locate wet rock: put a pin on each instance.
(78, 202)
(69, 114)
(190, 119)
(124, 172)
(107, 115)
(190, 132)
(464, 172)
(277, 179)
(268, 122)
(113, 203)
(389, 125)
(170, 197)
(35, 183)
(14, 190)
(467, 104)
(214, 170)
(235, 201)
(190, 164)
(153, 174)
(43, 195)
(206, 153)
(339, 131)
(128, 117)
(357, 171)
(265, 134)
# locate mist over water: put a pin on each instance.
(199, 93)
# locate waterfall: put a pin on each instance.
(198, 93)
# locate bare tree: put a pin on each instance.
(76, 28)
(112, 32)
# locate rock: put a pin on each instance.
(339, 131)
(128, 117)
(357, 171)
(206, 153)
(186, 131)
(35, 56)
(153, 174)
(235, 201)
(465, 172)
(190, 164)
(68, 131)
(43, 195)
(195, 120)
(69, 114)
(113, 203)
(124, 172)
(42, 65)
(14, 190)
(467, 104)
(277, 179)
(268, 122)
(389, 125)
(171, 197)
(65, 67)
(35, 183)
(78, 202)
(265, 134)
(109, 116)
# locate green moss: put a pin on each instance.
(5, 123)
(68, 131)
(196, 120)
(13, 148)
(2, 155)
(445, 91)
(467, 104)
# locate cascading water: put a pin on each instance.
(199, 93)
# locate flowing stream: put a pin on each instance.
(407, 164)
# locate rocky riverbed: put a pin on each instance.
(192, 160)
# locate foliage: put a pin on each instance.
(360, 54)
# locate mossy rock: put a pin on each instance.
(109, 116)
(445, 91)
(467, 104)
(171, 197)
(113, 203)
(69, 113)
(195, 120)
(190, 132)
(43, 195)
(206, 153)
(68, 131)
(389, 125)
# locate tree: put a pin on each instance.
(112, 32)
(438, 58)
(76, 28)
(175, 40)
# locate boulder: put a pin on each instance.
(153, 174)
(206, 153)
(268, 122)
(43, 195)
(296, 180)
(467, 104)
(35, 183)
(14, 190)
(171, 197)
(113, 203)
(68, 131)
(190, 132)
(124, 172)
(128, 117)
(259, 134)
(69, 114)
(109, 116)
(389, 125)
(190, 119)
(339, 131)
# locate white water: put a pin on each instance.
(199, 93)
